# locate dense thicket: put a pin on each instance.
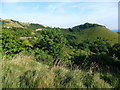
(56, 47)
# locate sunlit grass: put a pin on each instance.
(24, 72)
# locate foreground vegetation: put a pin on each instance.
(23, 71)
(84, 56)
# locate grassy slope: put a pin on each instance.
(91, 34)
(10, 23)
(18, 73)
(13, 23)
(83, 34)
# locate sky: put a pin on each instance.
(62, 14)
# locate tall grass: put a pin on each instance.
(23, 71)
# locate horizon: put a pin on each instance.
(63, 14)
(115, 30)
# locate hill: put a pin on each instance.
(89, 32)
(85, 26)
(12, 23)
(74, 35)
(35, 56)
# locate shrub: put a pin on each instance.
(43, 57)
(11, 45)
(115, 50)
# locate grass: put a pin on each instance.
(13, 23)
(23, 71)
(91, 34)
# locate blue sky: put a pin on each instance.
(62, 14)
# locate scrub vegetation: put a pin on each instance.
(38, 56)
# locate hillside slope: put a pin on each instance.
(12, 23)
(24, 72)
(34, 57)
(90, 32)
(74, 35)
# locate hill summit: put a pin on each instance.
(8, 23)
(76, 34)
(85, 26)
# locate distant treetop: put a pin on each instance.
(85, 26)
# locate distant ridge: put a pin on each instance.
(86, 25)
(75, 35)
(8, 23)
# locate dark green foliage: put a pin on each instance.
(52, 42)
(43, 57)
(108, 78)
(0, 41)
(78, 47)
(35, 26)
(70, 39)
(100, 46)
(115, 50)
(84, 26)
(80, 58)
(118, 84)
(104, 60)
(11, 44)
(70, 29)
(97, 46)
(84, 45)
(18, 32)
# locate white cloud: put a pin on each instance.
(104, 13)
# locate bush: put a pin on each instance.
(53, 43)
(12, 45)
(102, 60)
(115, 50)
(43, 57)
(80, 59)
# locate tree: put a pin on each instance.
(99, 46)
(11, 44)
(52, 42)
(115, 50)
